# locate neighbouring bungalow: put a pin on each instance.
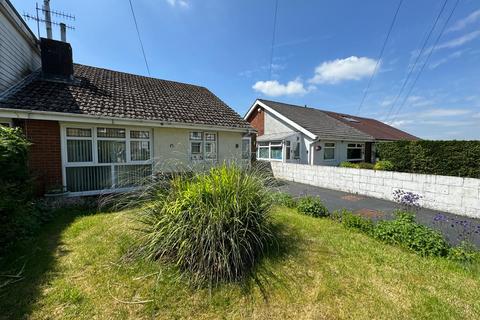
(95, 130)
(297, 134)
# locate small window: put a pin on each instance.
(110, 132)
(210, 137)
(111, 151)
(140, 150)
(329, 151)
(137, 134)
(196, 148)
(287, 149)
(196, 136)
(355, 151)
(79, 132)
(246, 148)
(296, 152)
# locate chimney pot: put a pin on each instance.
(63, 32)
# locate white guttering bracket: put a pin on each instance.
(282, 117)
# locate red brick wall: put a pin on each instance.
(45, 160)
(257, 120)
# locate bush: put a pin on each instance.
(465, 252)
(17, 211)
(213, 225)
(404, 231)
(365, 165)
(353, 221)
(312, 206)
(383, 165)
(284, 199)
(450, 158)
(346, 164)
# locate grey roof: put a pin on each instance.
(332, 125)
(275, 136)
(102, 92)
(317, 122)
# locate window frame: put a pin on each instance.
(95, 163)
(248, 152)
(357, 146)
(325, 147)
(203, 139)
(273, 143)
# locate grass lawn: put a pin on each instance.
(77, 269)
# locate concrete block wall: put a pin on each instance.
(450, 194)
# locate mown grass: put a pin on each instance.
(80, 269)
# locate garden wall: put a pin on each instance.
(450, 194)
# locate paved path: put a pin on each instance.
(451, 225)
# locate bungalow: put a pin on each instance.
(95, 130)
(296, 134)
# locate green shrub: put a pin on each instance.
(354, 221)
(312, 206)
(383, 165)
(17, 211)
(465, 252)
(404, 231)
(451, 158)
(284, 199)
(365, 165)
(347, 164)
(213, 225)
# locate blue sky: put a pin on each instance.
(324, 53)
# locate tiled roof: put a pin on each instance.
(101, 92)
(331, 125)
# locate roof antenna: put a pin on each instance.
(47, 12)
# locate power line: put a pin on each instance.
(412, 69)
(139, 38)
(432, 49)
(273, 38)
(379, 57)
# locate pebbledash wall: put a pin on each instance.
(450, 194)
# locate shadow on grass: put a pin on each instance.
(265, 275)
(31, 263)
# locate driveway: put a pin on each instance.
(454, 227)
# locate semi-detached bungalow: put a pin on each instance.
(297, 134)
(95, 130)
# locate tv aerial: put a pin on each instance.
(47, 14)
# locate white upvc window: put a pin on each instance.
(271, 150)
(203, 146)
(246, 146)
(101, 158)
(329, 151)
(355, 151)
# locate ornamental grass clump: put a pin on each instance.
(214, 225)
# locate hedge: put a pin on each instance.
(449, 158)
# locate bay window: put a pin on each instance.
(355, 151)
(105, 158)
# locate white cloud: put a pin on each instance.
(457, 42)
(351, 68)
(454, 55)
(432, 113)
(471, 18)
(180, 3)
(274, 88)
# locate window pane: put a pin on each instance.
(79, 132)
(329, 153)
(79, 151)
(196, 147)
(195, 136)
(140, 150)
(88, 178)
(210, 150)
(353, 154)
(296, 153)
(352, 145)
(245, 149)
(111, 151)
(263, 153)
(132, 175)
(110, 133)
(329, 144)
(263, 144)
(276, 153)
(136, 134)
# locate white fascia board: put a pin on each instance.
(82, 118)
(280, 116)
